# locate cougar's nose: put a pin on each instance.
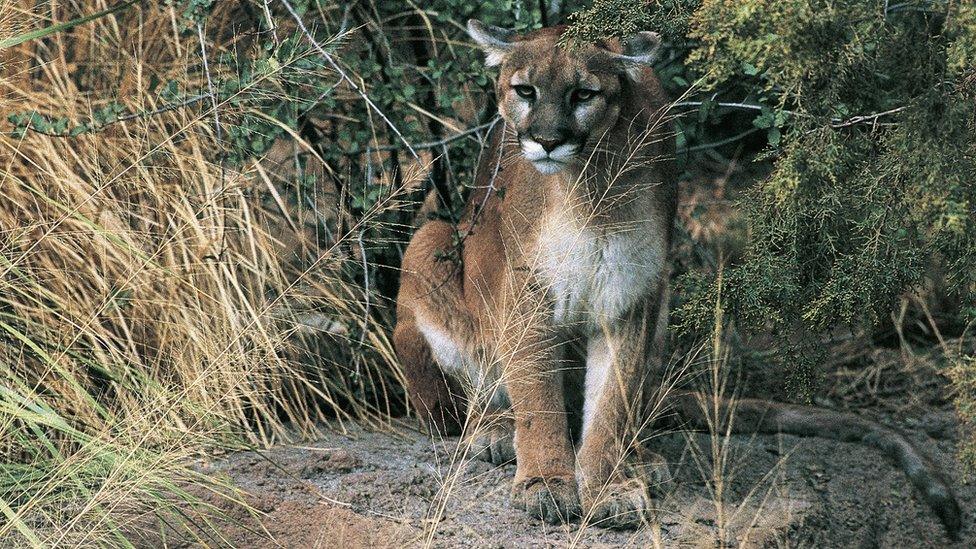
(550, 144)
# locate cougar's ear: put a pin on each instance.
(640, 50)
(496, 41)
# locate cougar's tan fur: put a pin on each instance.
(566, 240)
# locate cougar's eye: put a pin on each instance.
(527, 92)
(583, 94)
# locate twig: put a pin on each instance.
(457, 248)
(344, 25)
(838, 123)
(362, 334)
(491, 188)
(271, 23)
(441, 142)
(729, 105)
(732, 139)
(213, 97)
(131, 116)
(491, 184)
(834, 122)
(733, 105)
(210, 86)
(161, 110)
(910, 6)
(343, 29)
(344, 76)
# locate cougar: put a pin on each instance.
(565, 244)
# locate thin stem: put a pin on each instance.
(732, 139)
(210, 86)
(342, 74)
(132, 116)
(441, 142)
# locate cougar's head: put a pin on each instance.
(560, 100)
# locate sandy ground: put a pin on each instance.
(404, 489)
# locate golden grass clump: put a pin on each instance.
(151, 302)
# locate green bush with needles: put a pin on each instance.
(869, 110)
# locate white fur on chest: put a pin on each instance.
(596, 274)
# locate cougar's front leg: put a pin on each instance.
(545, 483)
(620, 360)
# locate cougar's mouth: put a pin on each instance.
(549, 161)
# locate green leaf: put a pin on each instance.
(764, 120)
(705, 109)
(53, 29)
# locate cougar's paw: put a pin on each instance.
(625, 501)
(552, 499)
(618, 505)
(496, 444)
(653, 470)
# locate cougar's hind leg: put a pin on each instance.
(490, 426)
(427, 344)
(437, 396)
(493, 437)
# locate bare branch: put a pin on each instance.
(719, 143)
(838, 123)
(441, 142)
(342, 74)
(210, 86)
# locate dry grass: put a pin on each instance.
(150, 304)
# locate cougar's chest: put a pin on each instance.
(595, 273)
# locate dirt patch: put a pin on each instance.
(394, 489)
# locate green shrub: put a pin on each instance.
(870, 115)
